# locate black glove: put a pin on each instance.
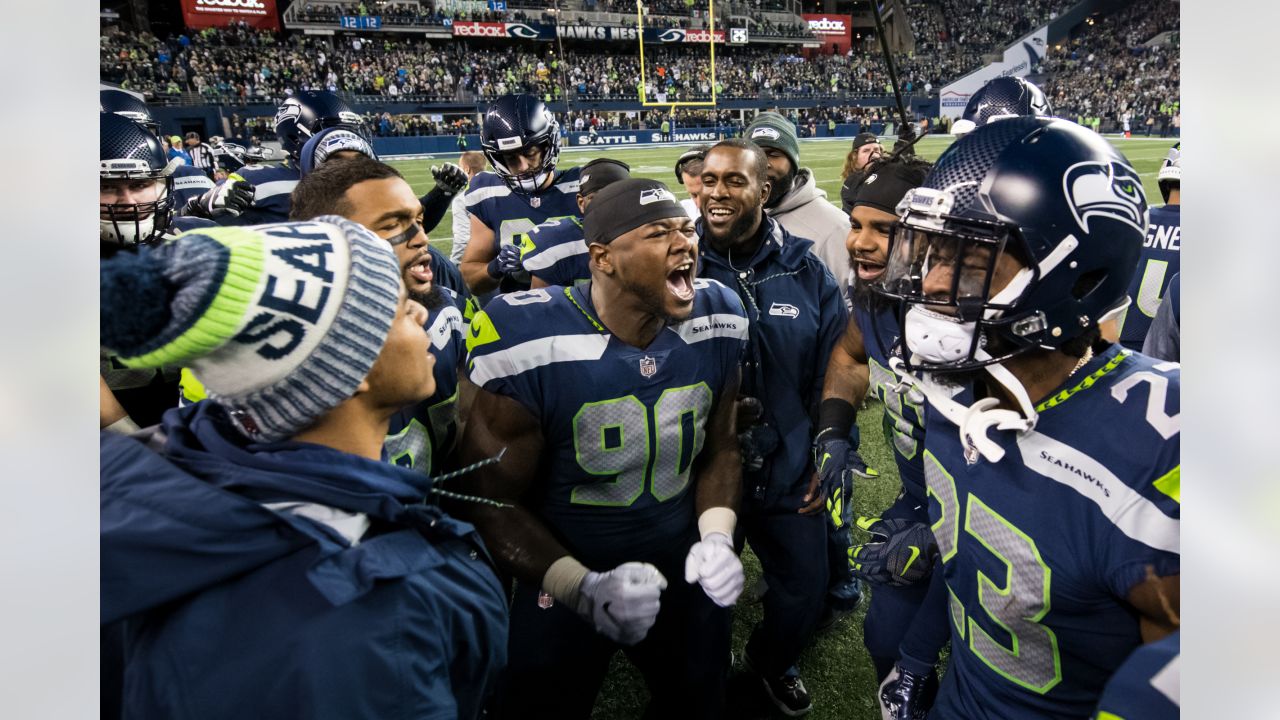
(507, 262)
(901, 695)
(226, 200)
(831, 458)
(906, 136)
(901, 552)
(450, 178)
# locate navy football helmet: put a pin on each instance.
(136, 175)
(1001, 98)
(514, 124)
(306, 113)
(1170, 175)
(1047, 192)
(123, 103)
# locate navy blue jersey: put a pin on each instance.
(1157, 264)
(904, 411)
(421, 437)
(1041, 549)
(622, 425)
(188, 183)
(272, 189)
(447, 275)
(1147, 686)
(508, 213)
(556, 253)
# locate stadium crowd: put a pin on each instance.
(1107, 73)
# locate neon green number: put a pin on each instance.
(415, 446)
(882, 382)
(614, 438)
(1032, 659)
(1016, 604)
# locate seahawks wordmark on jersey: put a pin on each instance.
(622, 425)
(1041, 549)
(189, 183)
(555, 252)
(508, 213)
(421, 437)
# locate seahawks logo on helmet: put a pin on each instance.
(1111, 190)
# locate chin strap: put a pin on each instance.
(975, 420)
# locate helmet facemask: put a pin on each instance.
(530, 181)
(136, 223)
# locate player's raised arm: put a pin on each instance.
(476, 258)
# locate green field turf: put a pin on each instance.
(836, 669)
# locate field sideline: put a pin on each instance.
(836, 669)
(824, 156)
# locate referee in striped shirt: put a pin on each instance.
(202, 156)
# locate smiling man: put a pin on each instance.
(616, 497)
(376, 196)
(796, 314)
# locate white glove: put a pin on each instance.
(713, 563)
(622, 604)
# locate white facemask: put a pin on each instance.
(123, 231)
(532, 185)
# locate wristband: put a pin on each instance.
(563, 580)
(493, 270)
(124, 426)
(717, 520)
(835, 416)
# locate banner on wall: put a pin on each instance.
(831, 30)
(220, 13)
(1019, 60)
(512, 30)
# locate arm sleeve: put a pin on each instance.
(434, 205)
(461, 229)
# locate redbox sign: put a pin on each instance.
(480, 29)
(832, 29)
(220, 13)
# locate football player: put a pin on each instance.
(796, 314)
(1053, 458)
(1001, 98)
(555, 253)
(521, 139)
(1161, 251)
(858, 363)
(377, 196)
(614, 503)
(193, 192)
(135, 196)
(340, 143)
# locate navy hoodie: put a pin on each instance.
(233, 609)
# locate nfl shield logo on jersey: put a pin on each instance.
(648, 366)
(535, 201)
(545, 601)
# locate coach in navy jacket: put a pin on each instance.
(796, 315)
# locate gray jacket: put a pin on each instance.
(805, 212)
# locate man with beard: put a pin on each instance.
(376, 196)
(1054, 468)
(611, 405)
(796, 313)
(866, 149)
(860, 361)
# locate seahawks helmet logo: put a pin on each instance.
(1111, 190)
(290, 110)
